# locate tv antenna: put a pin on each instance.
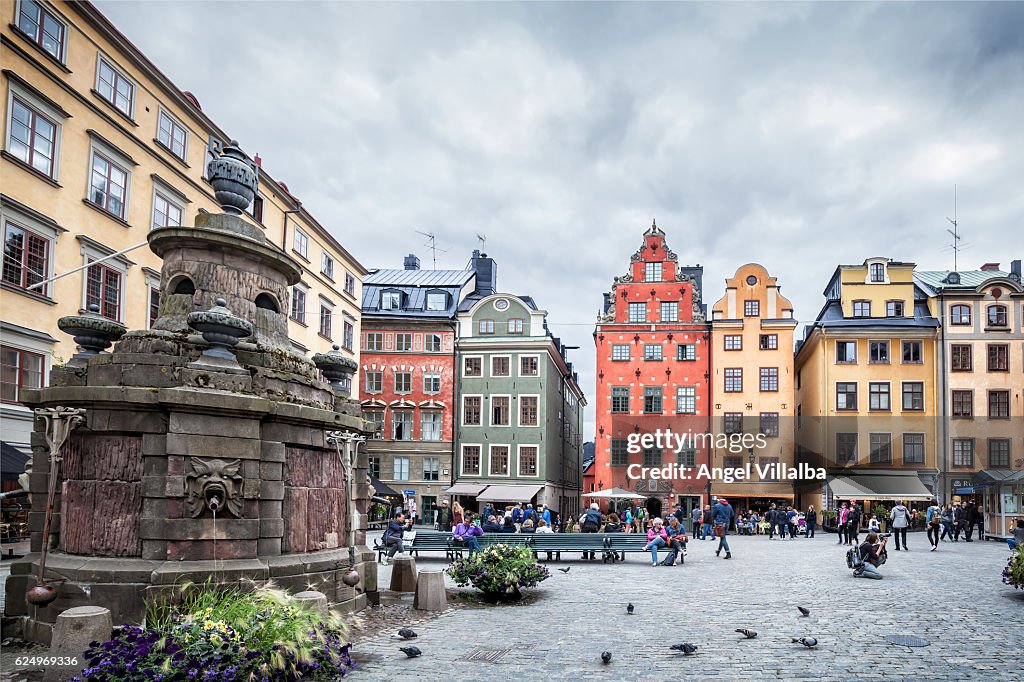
(483, 241)
(955, 231)
(432, 245)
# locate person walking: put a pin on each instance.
(853, 521)
(947, 522)
(769, 516)
(722, 516)
(696, 515)
(959, 519)
(979, 521)
(810, 518)
(933, 520)
(971, 517)
(900, 517)
(444, 517)
(781, 522)
(707, 520)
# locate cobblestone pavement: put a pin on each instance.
(954, 598)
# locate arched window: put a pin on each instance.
(960, 314)
(997, 316)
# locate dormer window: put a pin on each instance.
(876, 272)
(652, 272)
(391, 300)
(437, 300)
(997, 316)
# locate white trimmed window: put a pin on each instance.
(167, 209)
(33, 135)
(27, 257)
(348, 333)
(374, 341)
(529, 365)
(103, 282)
(437, 300)
(498, 460)
(115, 87)
(400, 468)
(432, 383)
(298, 304)
(108, 183)
(470, 460)
(326, 319)
(391, 300)
(300, 243)
(686, 400)
(374, 381)
(327, 265)
(527, 460)
(430, 425)
(173, 135)
(350, 283)
(529, 412)
(432, 343)
(44, 28)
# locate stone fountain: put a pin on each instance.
(208, 449)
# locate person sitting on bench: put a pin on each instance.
(466, 533)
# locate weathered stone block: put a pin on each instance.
(430, 592)
(231, 426)
(271, 528)
(273, 451)
(154, 444)
(271, 471)
(272, 490)
(212, 446)
(312, 600)
(403, 574)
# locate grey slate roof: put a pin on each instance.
(419, 278)
(414, 285)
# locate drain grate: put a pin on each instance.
(906, 640)
(487, 655)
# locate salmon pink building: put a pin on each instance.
(653, 370)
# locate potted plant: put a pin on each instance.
(883, 517)
(500, 572)
(1013, 574)
(828, 520)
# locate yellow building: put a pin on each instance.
(866, 388)
(753, 387)
(99, 147)
(981, 368)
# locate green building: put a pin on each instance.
(520, 417)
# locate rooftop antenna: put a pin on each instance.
(483, 242)
(432, 245)
(955, 231)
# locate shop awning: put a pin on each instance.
(12, 461)
(383, 489)
(470, 489)
(509, 493)
(895, 485)
(615, 494)
(990, 476)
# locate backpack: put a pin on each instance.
(853, 558)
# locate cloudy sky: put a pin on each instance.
(796, 135)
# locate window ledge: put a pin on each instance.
(878, 362)
(110, 105)
(326, 338)
(180, 160)
(846, 362)
(998, 328)
(300, 255)
(103, 211)
(43, 298)
(963, 417)
(298, 322)
(913, 362)
(991, 418)
(31, 41)
(35, 171)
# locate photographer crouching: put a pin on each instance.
(872, 554)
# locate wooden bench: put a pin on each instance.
(556, 543)
(622, 543)
(488, 539)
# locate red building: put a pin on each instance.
(407, 386)
(653, 370)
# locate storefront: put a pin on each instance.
(882, 486)
(1001, 496)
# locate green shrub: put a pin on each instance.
(499, 570)
(1013, 574)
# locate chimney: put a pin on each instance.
(990, 267)
(486, 273)
(1015, 274)
(411, 262)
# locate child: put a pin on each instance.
(873, 526)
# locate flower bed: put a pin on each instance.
(499, 571)
(1013, 574)
(261, 635)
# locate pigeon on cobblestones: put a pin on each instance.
(406, 633)
(808, 642)
(804, 611)
(410, 651)
(749, 634)
(687, 648)
(606, 657)
(566, 569)
(629, 609)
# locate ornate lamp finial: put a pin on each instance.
(234, 176)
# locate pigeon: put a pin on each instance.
(749, 634)
(804, 611)
(687, 648)
(410, 651)
(629, 609)
(406, 633)
(808, 642)
(565, 570)
(606, 657)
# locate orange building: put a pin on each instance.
(652, 373)
(752, 384)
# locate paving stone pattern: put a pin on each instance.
(954, 598)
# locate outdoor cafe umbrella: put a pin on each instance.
(614, 494)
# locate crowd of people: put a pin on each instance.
(943, 523)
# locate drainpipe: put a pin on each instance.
(284, 230)
(943, 414)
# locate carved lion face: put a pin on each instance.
(213, 484)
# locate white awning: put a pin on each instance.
(509, 493)
(470, 489)
(896, 485)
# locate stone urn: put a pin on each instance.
(337, 369)
(92, 332)
(233, 175)
(220, 328)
